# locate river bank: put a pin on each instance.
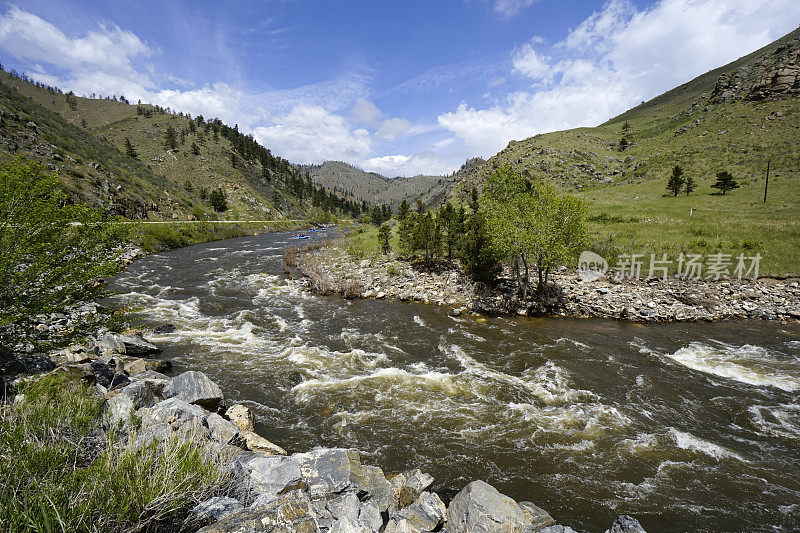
(265, 487)
(329, 268)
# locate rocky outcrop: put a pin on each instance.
(773, 75)
(480, 508)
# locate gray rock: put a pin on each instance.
(137, 346)
(557, 529)
(119, 409)
(407, 486)
(290, 513)
(271, 475)
(110, 343)
(221, 430)
(175, 414)
(370, 516)
(194, 387)
(345, 525)
(142, 393)
(156, 380)
(374, 482)
(480, 508)
(329, 470)
(135, 367)
(425, 514)
(625, 524)
(210, 511)
(346, 506)
(537, 516)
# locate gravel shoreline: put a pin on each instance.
(330, 269)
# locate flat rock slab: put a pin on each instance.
(137, 346)
(271, 475)
(210, 511)
(194, 387)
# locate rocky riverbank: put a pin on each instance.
(330, 269)
(325, 490)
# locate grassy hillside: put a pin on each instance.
(736, 118)
(84, 139)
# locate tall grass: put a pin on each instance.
(61, 471)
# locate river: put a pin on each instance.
(684, 426)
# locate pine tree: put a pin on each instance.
(403, 211)
(217, 200)
(676, 181)
(195, 149)
(383, 238)
(690, 185)
(170, 139)
(725, 182)
(129, 150)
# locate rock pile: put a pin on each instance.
(324, 490)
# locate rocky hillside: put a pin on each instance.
(86, 141)
(357, 184)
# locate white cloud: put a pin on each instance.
(310, 134)
(509, 8)
(618, 57)
(394, 127)
(427, 162)
(528, 62)
(365, 112)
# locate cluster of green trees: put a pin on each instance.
(678, 182)
(525, 224)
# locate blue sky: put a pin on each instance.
(399, 88)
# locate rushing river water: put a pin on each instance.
(685, 426)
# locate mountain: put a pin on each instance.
(357, 184)
(739, 118)
(85, 141)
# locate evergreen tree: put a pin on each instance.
(383, 238)
(403, 211)
(725, 182)
(129, 150)
(195, 149)
(676, 181)
(690, 185)
(170, 139)
(217, 200)
(623, 144)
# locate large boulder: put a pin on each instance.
(194, 387)
(626, 524)
(372, 481)
(289, 513)
(271, 475)
(142, 393)
(110, 344)
(538, 517)
(480, 508)
(176, 415)
(346, 525)
(137, 346)
(119, 409)
(557, 529)
(329, 470)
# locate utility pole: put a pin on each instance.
(766, 183)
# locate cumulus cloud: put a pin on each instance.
(614, 59)
(394, 127)
(310, 134)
